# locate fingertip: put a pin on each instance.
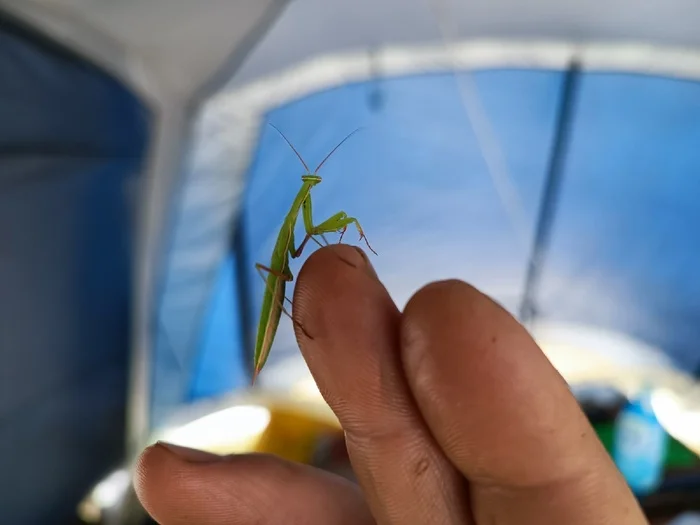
(323, 285)
(151, 455)
(471, 303)
(465, 316)
(486, 389)
(147, 476)
(451, 321)
(335, 258)
(196, 487)
(164, 469)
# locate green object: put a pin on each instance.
(278, 272)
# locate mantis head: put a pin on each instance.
(312, 179)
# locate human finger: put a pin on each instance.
(505, 417)
(179, 486)
(349, 335)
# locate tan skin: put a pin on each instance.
(452, 414)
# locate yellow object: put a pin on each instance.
(294, 434)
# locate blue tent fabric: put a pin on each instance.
(624, 251)
(415, 177)
(624, 254)
(72, 141)
(219, 369)
(372, 176)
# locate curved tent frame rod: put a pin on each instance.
(550, 192)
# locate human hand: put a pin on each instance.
(451, 412)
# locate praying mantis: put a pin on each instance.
(278, 272)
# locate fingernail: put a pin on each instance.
(191, 455)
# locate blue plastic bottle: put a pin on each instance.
(640, 444)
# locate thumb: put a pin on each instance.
(181, 486)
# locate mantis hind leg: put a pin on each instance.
(288, 277)
(260, 268)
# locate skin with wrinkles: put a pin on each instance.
(452, 413)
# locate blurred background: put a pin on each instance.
(547, 152)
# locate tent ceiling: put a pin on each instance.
(186, 42)
(310, 27)
(182, 42)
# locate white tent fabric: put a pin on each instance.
(308, 27)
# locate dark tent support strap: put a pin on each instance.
(243, 286)
(550, 192)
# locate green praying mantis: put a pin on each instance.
(278, 272)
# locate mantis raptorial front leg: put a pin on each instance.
(340, 222)
(336, 223)
(296, 252)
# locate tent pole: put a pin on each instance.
(550, 191)
(243, 292)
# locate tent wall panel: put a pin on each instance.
(415, 177)
(625, 252)
(218, 370)
(71, 147)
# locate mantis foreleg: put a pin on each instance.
(296, 252)
(336, 223)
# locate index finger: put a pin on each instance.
(350, 341)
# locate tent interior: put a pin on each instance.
(550, 151)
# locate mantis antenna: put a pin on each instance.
(327, 156)
(291, 146)
(333, 150)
